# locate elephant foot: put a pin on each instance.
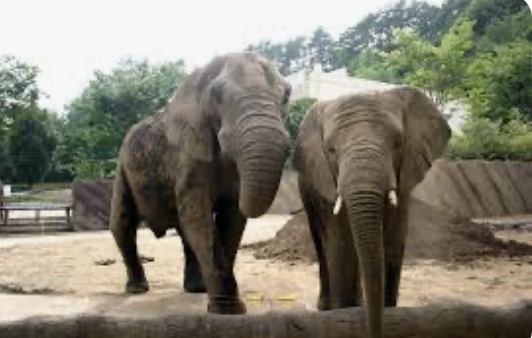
(194, 282)
(137, 287)
(324, 304)
(226, 306)
(194, 285)
(390, 302)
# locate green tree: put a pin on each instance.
(486, 13)
(273, 52)
(321, 49)
(18, 85)
(506, 29)
(501, 81)
(30, 148)
(19, 93)
(99, 118)
(483, 138)
(296, 113)
(376, 30)
(289, 57)
(439, 70)
(372, 65)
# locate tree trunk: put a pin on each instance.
(433, 321)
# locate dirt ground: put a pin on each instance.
(84, 266)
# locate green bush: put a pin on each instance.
(296, 113)
(485, 139)
(87, 169)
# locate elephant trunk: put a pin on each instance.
(364, 195)
(263, 148)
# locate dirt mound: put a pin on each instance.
(291, 243)
(432, 235)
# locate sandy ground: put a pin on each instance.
(77, 270)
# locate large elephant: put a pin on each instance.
(205, 163)
(358, 159)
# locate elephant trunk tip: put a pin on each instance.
(256, 197)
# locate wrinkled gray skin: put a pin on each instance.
(209, 160)
(362, 147)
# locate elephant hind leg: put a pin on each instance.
(124, 222)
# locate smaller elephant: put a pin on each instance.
(358, 159)
(209, 160)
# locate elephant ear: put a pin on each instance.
(310, 160)
(206, 90)
(201, 114)
(426, 134)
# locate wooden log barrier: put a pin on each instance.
(432, 321)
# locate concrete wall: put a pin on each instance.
(92, 204)
(478, 188)
(466, 188)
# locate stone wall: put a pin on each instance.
(92, 204)
(466, 188)
(478, 188)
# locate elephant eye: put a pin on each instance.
(398, 142)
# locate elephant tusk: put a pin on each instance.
(392, 196)
(337, 205)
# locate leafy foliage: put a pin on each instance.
(483, 138)
(26, 133)
(99, 118)
(296, 113)
(506, 29)
(18, 92)
(437, 69)
(376, 30)
(30, 148)
(321, 49)
(487, 13)
(18, 85)
(288, 57)
(500, 81)
(372, 65)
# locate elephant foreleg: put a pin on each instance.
(342, 260)
(195, 216)
(230, 225)
(193, 280)
(395, 231)
(316, 231)
(123, 223)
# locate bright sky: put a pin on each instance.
(70, 39)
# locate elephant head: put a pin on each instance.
(363, 152)
(241, 98)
